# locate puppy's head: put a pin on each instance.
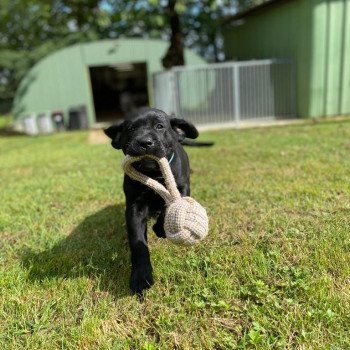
(150, 131)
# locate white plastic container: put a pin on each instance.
(45, 123)
(30, 125)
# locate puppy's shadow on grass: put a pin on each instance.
(96, 248)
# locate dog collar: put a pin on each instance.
(171, 158)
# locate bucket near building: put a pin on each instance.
(30, 125)
(78, 118)
(45, 123)
(57, 118)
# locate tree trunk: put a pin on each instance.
(175, 53)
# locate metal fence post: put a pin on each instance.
(175, 91)
(236, 93)
(293, 109)
(173, 97)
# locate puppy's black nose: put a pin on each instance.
(145, 143)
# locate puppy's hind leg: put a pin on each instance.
(158, 227)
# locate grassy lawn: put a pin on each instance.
(272, 274)
(5, 120)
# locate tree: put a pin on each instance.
(191, 23)
(175, 54)
(30, 29)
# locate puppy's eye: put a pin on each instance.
(131, 128)
(159, 126)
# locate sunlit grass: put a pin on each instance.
(272, 274)
(5, 120)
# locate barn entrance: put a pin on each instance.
(118, 89)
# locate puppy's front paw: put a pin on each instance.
(141, 279)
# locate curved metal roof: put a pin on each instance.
(61, 80)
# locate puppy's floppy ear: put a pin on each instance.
(114, 132)
(183, 128)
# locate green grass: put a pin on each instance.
(5, 120)
(274, 272)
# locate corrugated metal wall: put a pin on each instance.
(316, 34)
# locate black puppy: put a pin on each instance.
(150, 131)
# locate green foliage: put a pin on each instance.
(31, 29)
(5, 121)
(273, 272)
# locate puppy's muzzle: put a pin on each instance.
(145, 145)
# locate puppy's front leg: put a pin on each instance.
(141, 273)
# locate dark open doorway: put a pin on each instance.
(117, 89)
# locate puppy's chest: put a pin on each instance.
(146, 196)
(152, 200)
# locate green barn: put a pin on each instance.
(314, 33)
(103, 76)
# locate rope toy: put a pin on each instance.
(185, 221)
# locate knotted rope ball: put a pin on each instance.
(185, 221)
